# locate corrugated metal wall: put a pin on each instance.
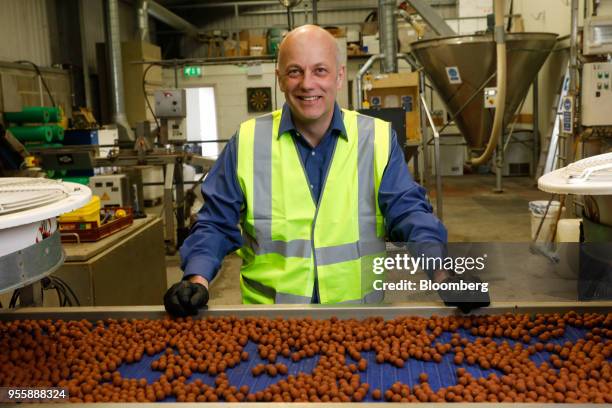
(276, 16)
(250, 17)
(95, 30)
(24, 31)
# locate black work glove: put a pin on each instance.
(465, 300)
(185, 298)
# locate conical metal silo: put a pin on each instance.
(474, 58)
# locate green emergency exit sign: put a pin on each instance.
(192, 71)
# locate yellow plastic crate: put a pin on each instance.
(90, 212)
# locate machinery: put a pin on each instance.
(112, 189)
(171, 108)
(30, 247)
(397, 92)
(590, 178)
(463, 69)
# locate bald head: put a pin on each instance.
(310, 74)
(308, 36)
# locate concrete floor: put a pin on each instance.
(472, 213)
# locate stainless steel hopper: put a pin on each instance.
(474, 58)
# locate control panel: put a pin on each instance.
(171, 103)
(596, 97)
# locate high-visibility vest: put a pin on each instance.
(289, 239)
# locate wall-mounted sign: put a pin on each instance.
(453, 75)
(190, 71)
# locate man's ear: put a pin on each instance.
(279, 79)
(340, 76)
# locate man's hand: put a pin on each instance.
(465, 300)
(186, 297)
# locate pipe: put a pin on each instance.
(116, 70)
(315, 13)
(387, 27)
(573, 87)
(410, 60)
(143, 20)
(436, 138)
(167, 17)
(86, 83)
(425, 174)
(418, 28)
(360, 75)
(498, 120)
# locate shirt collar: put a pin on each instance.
(286, 122)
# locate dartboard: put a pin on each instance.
(259, 99)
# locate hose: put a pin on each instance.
(498, 120)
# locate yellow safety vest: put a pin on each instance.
(288, 238)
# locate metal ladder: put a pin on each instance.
(550, 154)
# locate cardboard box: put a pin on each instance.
(256, 51)
(369, 28)
(336, 31)
(244, 48)
(371, 43)
(258, 41)
(253, 38)
(244, 35)
(229, 48)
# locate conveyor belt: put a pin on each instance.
(377, 375)
(380, 376)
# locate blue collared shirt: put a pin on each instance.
(408, 215)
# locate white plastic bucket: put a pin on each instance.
(538, 209)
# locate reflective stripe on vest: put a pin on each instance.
(255, 174)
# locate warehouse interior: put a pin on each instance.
(113, 113)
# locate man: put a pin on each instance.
(314, 188)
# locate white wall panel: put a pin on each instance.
(230, 83)
(24, 31)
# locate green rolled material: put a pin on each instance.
(55, 174)
(33, 133)
(34, 114)
(58, 133)
(54, 113)
(80, 180)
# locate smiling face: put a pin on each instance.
(310, 75)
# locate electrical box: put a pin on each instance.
(112, 189)
(171, 103)
(567, 115)
(397, 91)
(596, 95)
(177, 130)
(490, 97)
(597, 35)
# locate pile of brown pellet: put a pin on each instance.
(84, 357)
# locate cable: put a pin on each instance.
(14, 297)
(47, 284)
(41, 77)
(64, 284)
(509, 26)
(144, 92)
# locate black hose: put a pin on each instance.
(144, 93)
(41, 77)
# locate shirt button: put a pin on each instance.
(313, 153)
(312, 186)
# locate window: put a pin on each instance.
(202, 119)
